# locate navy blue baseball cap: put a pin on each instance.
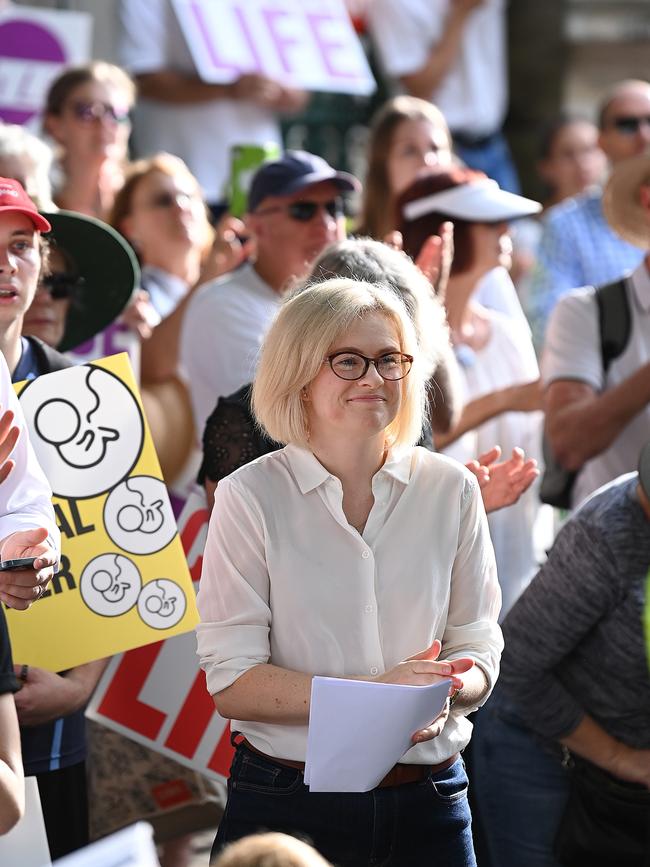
(294, 171)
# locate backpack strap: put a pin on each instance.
(615, 320)
(615, 325)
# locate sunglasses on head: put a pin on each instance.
(61, 285)
(303, 211)
(630, 124)
(87, 112)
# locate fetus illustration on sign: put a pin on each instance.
(161, 603)
(110, 585)
(138, 515)
(88, 434)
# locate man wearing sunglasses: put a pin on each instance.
(578, 248)
(295, 210)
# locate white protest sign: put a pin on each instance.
(26, 843)
(131, 847)
(303, 43)
(157, 696)
(35, 46)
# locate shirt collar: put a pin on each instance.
(641, 283)
(310, 473)
(170, 283)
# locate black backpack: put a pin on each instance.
(615, 325)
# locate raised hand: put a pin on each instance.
(503, 483)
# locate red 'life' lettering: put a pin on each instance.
(192, 720)
(221, 758)
(189, 534)
(121, 703)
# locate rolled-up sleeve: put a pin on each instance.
(475, 600)
(233, 598)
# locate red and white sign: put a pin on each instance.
(157, 695)
(303, 43)
(35, 46)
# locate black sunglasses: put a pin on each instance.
(87, 112)
(62, 285)
(630, 124)
(304, 211)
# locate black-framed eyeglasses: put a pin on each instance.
(630, 124)
(87, 112)
(305, 210)
(61, 285)
(353, 365)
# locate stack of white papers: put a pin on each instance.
(359, 729)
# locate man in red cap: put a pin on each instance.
(25, 486)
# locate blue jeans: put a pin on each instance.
(520, 789)
(494, 159)
(414, 825)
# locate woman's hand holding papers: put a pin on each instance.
(423, 669)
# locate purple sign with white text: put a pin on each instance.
(35, 45)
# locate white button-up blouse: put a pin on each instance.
(286, 580)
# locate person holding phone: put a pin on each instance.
(377, 566)
(50, 705)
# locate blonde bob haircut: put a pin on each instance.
(304, 331)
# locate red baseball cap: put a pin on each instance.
(14, 198)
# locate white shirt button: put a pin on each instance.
(374, 670)
(369, 609)
(365, 554)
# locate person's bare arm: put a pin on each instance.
(516, 398)
(268, 693)
(592, 742)
(444, 394)
(46, 696)
(442, 55)
(159, 354)
(12, 786)
(167, 85)
(210, 488)
(574, 407)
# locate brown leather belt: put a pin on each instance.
(399, 775)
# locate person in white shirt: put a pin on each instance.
(453, 53)
(178, 112)
(584, 393)
(27, 525)
(349, 553)
(294, 211)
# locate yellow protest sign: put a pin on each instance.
(124, 580)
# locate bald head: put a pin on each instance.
(624, 120)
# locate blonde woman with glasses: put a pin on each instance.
(348, 553)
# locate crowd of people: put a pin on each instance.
(376, 382)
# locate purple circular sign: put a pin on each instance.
(25, 40)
